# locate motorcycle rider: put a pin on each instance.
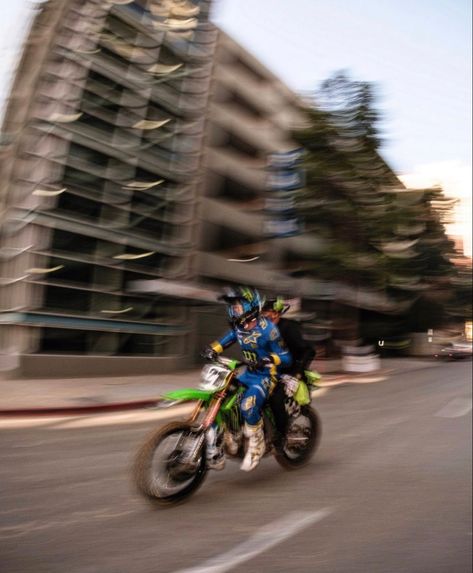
(261, 345)
(302, 355)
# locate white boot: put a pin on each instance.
(215, 456)
(256, 446)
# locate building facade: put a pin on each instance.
(134, 151)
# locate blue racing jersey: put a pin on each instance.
(261, 341)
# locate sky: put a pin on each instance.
(418, 53)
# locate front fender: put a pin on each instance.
(187, 395)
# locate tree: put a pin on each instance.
(388, 244)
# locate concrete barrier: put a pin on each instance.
(366, 363)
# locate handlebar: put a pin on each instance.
(233, 363)
(229, 361)
(312, 376)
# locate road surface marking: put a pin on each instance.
(455, 408)
(344, 381)
(93, 420)
(265, 538)
(318, 392)
(126, 418)
(30, 422)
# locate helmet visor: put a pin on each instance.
(236, 309)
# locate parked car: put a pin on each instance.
(455, 351)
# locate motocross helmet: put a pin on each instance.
(243, 305)
(276, 304)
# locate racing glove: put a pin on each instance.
(290, 384)
(209, 353)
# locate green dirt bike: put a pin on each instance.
(171, 465)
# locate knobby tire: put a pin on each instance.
(306, 454)
(143, 470)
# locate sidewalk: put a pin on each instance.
(75, 396)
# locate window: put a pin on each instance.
(87, 154)
(62, 340)
(72, 243)
(79, 207)
(66, 300)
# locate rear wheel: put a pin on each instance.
(301, 440)
(170, 466)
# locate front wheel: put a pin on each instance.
(170, 466)
(301, 440)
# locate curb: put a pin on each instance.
(77, 410)
(333, 380)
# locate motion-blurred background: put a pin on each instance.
(148, 158)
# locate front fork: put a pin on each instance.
(192, 454)
(214, 406)
(209, 418)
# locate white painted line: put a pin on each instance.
(455, 408)
(318, 392)
(126, 418)
(29, 422)
(265, 538)
(344, 381)
(93, 420)
(368, 380)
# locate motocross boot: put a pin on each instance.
(214, 453)
(256, 446)
(232, 442)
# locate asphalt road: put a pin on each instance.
(388, 491)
